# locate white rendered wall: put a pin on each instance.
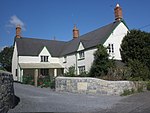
(14, 62)
(71, 61)
(37, 59)
(89, 58)
(116, 38)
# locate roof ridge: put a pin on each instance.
(42, 39)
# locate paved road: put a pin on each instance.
(33, 99)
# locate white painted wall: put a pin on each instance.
(14, 62)
(116, 38)
(89, 58)
(37, 59)
(71, 61)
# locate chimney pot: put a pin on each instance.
(18, 31)
(118, 13)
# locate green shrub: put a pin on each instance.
(27, 79)
(138, 71)
(148, 85)
(71, 72)
(46, 81)
(140, 89)
(128, 92)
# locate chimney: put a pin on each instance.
(118, 13)
(18, 31)
(75, 32)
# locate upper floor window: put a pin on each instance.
(44, 58)
(65, 59)
(111, 48)
(81, 55)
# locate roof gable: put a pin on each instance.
(80, 47)
(44, 51)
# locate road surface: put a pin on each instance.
(34, 99)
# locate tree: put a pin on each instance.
(6, 58)
(101, 63)
(71, 72)
(135, 52)
(136, 46)
(138, 70)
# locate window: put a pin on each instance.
(65, 59)
(44, 72)
(44, 58)
(81, 69)
(111, 48)
(16, 72)
(81, 55)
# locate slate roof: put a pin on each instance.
(32, 46)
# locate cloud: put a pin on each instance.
(14, 21)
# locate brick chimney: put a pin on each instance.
(118, 13)
(18, 31)
(75, 32)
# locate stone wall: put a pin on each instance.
(95, 86)
(6, 91)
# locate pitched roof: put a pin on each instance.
(91, 39)
(32, 46)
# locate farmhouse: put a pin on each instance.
(35, 57)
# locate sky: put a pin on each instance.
(49, 19)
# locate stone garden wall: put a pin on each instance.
(6, 91)
(95, 86)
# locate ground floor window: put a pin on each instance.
(81, 69)
(16, 72)
(44, 72)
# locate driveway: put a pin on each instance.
(33, 99)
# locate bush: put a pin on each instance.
(128, 92)
(27, 79)
(46, 81)
(148, 85)
(71, 72)
(101, 64)
(138, 71)
(84, 74)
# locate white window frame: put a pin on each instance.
(44, 58)
(111, 48)
(65, 59)
(81, 55)
(81, 69)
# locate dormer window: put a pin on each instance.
(81, 55)
(44, 58)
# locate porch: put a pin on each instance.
(40, 69)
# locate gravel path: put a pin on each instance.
(33, 99)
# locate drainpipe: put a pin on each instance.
(76, 64)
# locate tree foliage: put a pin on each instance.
(138, 70)
(6, 58)
(135, 52)
(71, 72)
(101, 63)
(136, 46)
